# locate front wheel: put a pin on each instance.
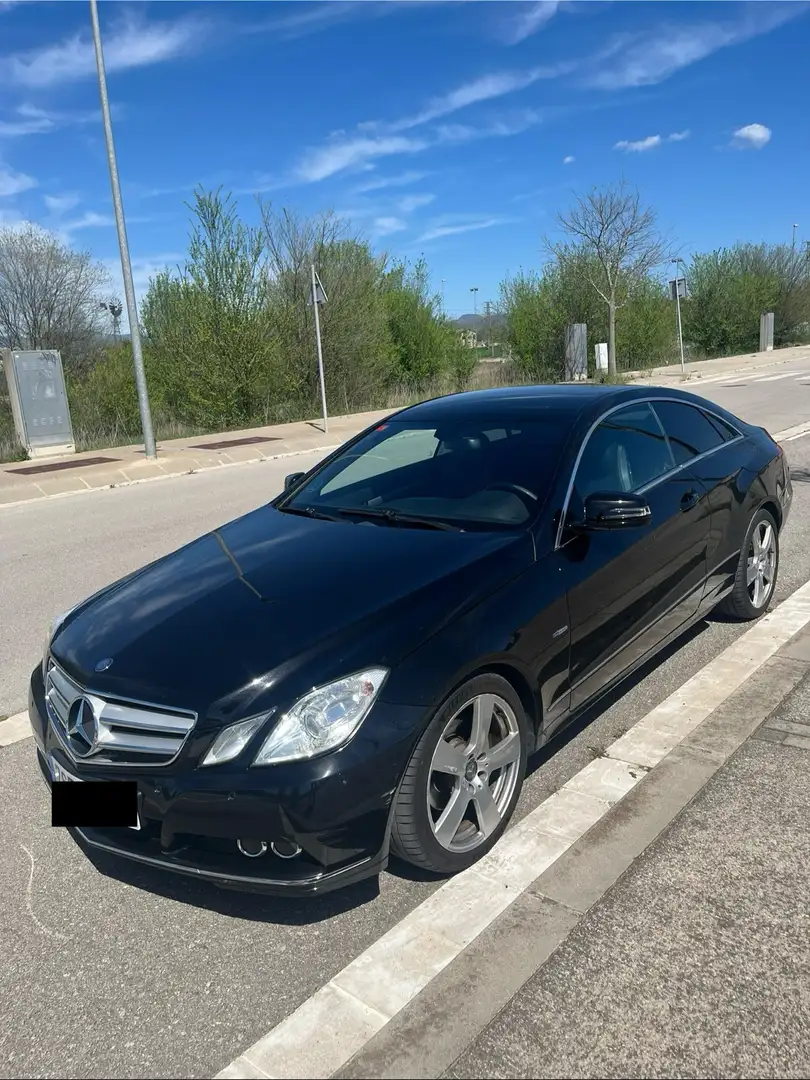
(464, 779)
(757, 569)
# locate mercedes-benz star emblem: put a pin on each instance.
(105, 664)
(82, 727)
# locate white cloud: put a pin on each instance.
(569, 159)
(399, 180)
(131, 44)
(531, 18)
(89, 220)
(647, 58)
(752, 137)
(470, 226)
(485, 88)
(650, 143)
(639, 146)
(14, 183)
(58, 204)
(342, 153)
(413, 202)
(384, 226)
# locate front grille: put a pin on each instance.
(112, 731)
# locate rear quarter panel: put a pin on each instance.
(741, 477)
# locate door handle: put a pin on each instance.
(690, 499)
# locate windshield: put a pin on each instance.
(474, 474)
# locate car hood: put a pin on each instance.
(218, 624)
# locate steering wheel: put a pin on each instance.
(522, 493)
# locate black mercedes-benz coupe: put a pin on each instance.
(363, 665)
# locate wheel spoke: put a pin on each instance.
(451, 817)
(448, 759)
(756, 541)
(504, 752)
(486, 809)
(758, 590)
(766, 539)
(483, 707)
(751, 571)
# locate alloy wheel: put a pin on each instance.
(473, 773)
(761, 564)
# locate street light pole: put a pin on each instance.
(319, 297)
(474, 291)
(793, 245)
(123, 246)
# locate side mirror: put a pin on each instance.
(615, 510)
(292, 479)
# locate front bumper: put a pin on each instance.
(335, 808)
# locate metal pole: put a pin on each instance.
(680, 331)
(126, 265)
(320, 351)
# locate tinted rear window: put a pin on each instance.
(689, 430)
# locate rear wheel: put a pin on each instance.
(757, 570)
(464, 778)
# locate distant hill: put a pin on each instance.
(478, 322)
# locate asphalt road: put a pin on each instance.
(174, 977)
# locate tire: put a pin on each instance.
(451, 779)
(745, 601)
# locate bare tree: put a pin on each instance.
(622, 239)
(49, 294)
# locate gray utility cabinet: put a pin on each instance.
(36, 386)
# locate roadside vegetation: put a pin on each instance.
(229, 337)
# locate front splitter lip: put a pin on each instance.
(302, 886)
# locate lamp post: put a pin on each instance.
(474, 291)
(123, 246)
(793, 244)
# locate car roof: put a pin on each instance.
(564, 400)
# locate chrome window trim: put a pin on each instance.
(664, 476)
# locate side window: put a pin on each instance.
(625, 452)
(726, 430)
(690, 431)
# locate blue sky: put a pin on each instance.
(455, 129)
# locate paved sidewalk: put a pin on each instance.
(697, 962)
(22, 481)
(724, 365)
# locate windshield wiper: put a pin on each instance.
(308, 511)
(395, 517)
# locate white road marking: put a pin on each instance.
(784, 375)
(330, 1027)
(14, 728)
(795, 432)
(736, 379)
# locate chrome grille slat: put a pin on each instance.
(131, 717)
(135, 743)
(124, 730)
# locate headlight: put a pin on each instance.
(233, 740)
(323, 719)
